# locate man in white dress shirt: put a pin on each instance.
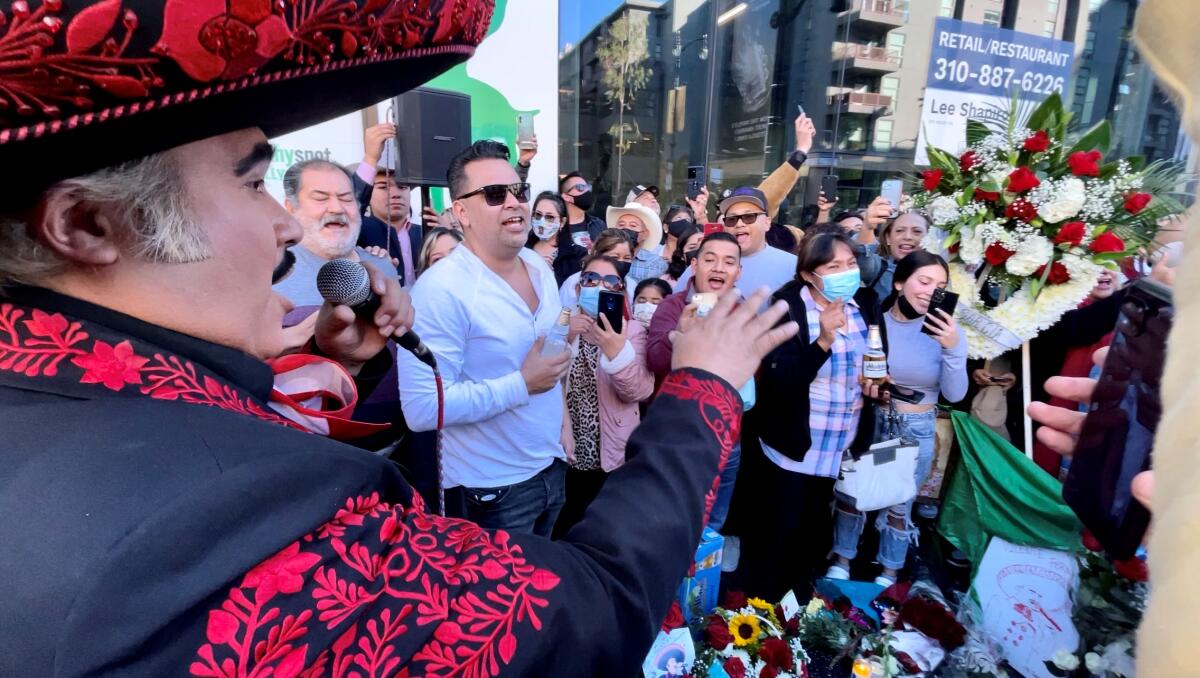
(483, 311)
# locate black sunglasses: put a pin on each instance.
(496, 194)
(612, 283)
(747, 219)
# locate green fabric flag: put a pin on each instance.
(999, 492)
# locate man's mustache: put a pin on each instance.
(284, 267)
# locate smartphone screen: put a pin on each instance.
(612, 307)
(1118, 433)
(525, 131)
(892, 189)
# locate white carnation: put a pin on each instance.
(970, 248)
(943, 210)
(1033, 253)
(1064, 202)
(1065, 660)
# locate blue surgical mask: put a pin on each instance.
(841, 286)
(589, 300)
(543, 230)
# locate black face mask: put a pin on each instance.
(632, 237)
(906, 309)
(689, 257)
(676, 228)
(584, 201)
(623, 269)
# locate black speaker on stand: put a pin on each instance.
(432, 126)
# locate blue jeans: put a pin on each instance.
(530, 506)
(720, 509)
(893, 542)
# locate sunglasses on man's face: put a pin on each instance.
(579, 188)
(612, 283)
(746, 219)
(496, 194)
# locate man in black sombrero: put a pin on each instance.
(164, 510)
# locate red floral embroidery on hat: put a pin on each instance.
(211, 39)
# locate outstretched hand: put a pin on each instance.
(702, 344)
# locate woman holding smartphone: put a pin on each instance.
(606, 381)
(933, 361)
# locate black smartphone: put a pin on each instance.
(696, 181)
(940, 300)
(612, 306)
(1118, 433)
(829, 186)
(907, 395)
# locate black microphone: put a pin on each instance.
(344, 282)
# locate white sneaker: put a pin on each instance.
(837, 572)
(885, 581)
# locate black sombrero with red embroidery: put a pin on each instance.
(85, 84)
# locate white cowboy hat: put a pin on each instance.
(648, 218)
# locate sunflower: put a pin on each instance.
(744, 628)
(760, 604)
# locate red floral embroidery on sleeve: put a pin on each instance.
(393, 591)
(722, 413)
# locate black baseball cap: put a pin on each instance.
(748, 194)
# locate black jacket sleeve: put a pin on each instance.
(362, 191)
(221, 580)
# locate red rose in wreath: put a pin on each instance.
(1021, 180)
(997, 254)
(931, 179)
(1022, 210)
(210, 42)
(1071, 233)
(1058, 274)
(674, 618)
(968, 160)
(1037, 143)
(986, 196)
(1107, 242)
(1085, 163)
(1133, 569)
(1137, 202)
(717, 633)
(735, 668)
(775, 652)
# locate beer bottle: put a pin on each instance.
(874, 361)
(556, 340)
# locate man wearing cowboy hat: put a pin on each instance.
(644, 230)
(166, 508)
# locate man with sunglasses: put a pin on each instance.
(744, 213)
(484, 311)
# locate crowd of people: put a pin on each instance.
(531, 435)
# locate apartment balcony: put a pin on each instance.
(864, 58)
(880, 15)
(860, 103)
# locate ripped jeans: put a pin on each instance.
(893, 542)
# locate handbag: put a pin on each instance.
(883, 476)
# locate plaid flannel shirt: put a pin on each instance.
(645, 265)
(835, 396)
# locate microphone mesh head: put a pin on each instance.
(342, 281)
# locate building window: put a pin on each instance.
(1094, 5)
(991, 18)
(1052, 7)
(1089, 45)
(895, 43)
(947, 8)
(1048, 29)
(883, 136)
(889, 85)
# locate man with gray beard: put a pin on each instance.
(320, 196)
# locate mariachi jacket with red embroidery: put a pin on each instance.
(157, 518)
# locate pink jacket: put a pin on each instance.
(623, 383)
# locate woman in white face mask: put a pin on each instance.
(546, 220)
(646, 298)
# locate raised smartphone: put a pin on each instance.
(1118, 433)
(612, 307)
(696, 181)
(829, 186)
(525, 131)
(892, 189)
(940, 300)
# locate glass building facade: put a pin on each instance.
(649, 88)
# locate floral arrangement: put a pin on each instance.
(1029, 221)
(747, 638)
(1108, 609)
